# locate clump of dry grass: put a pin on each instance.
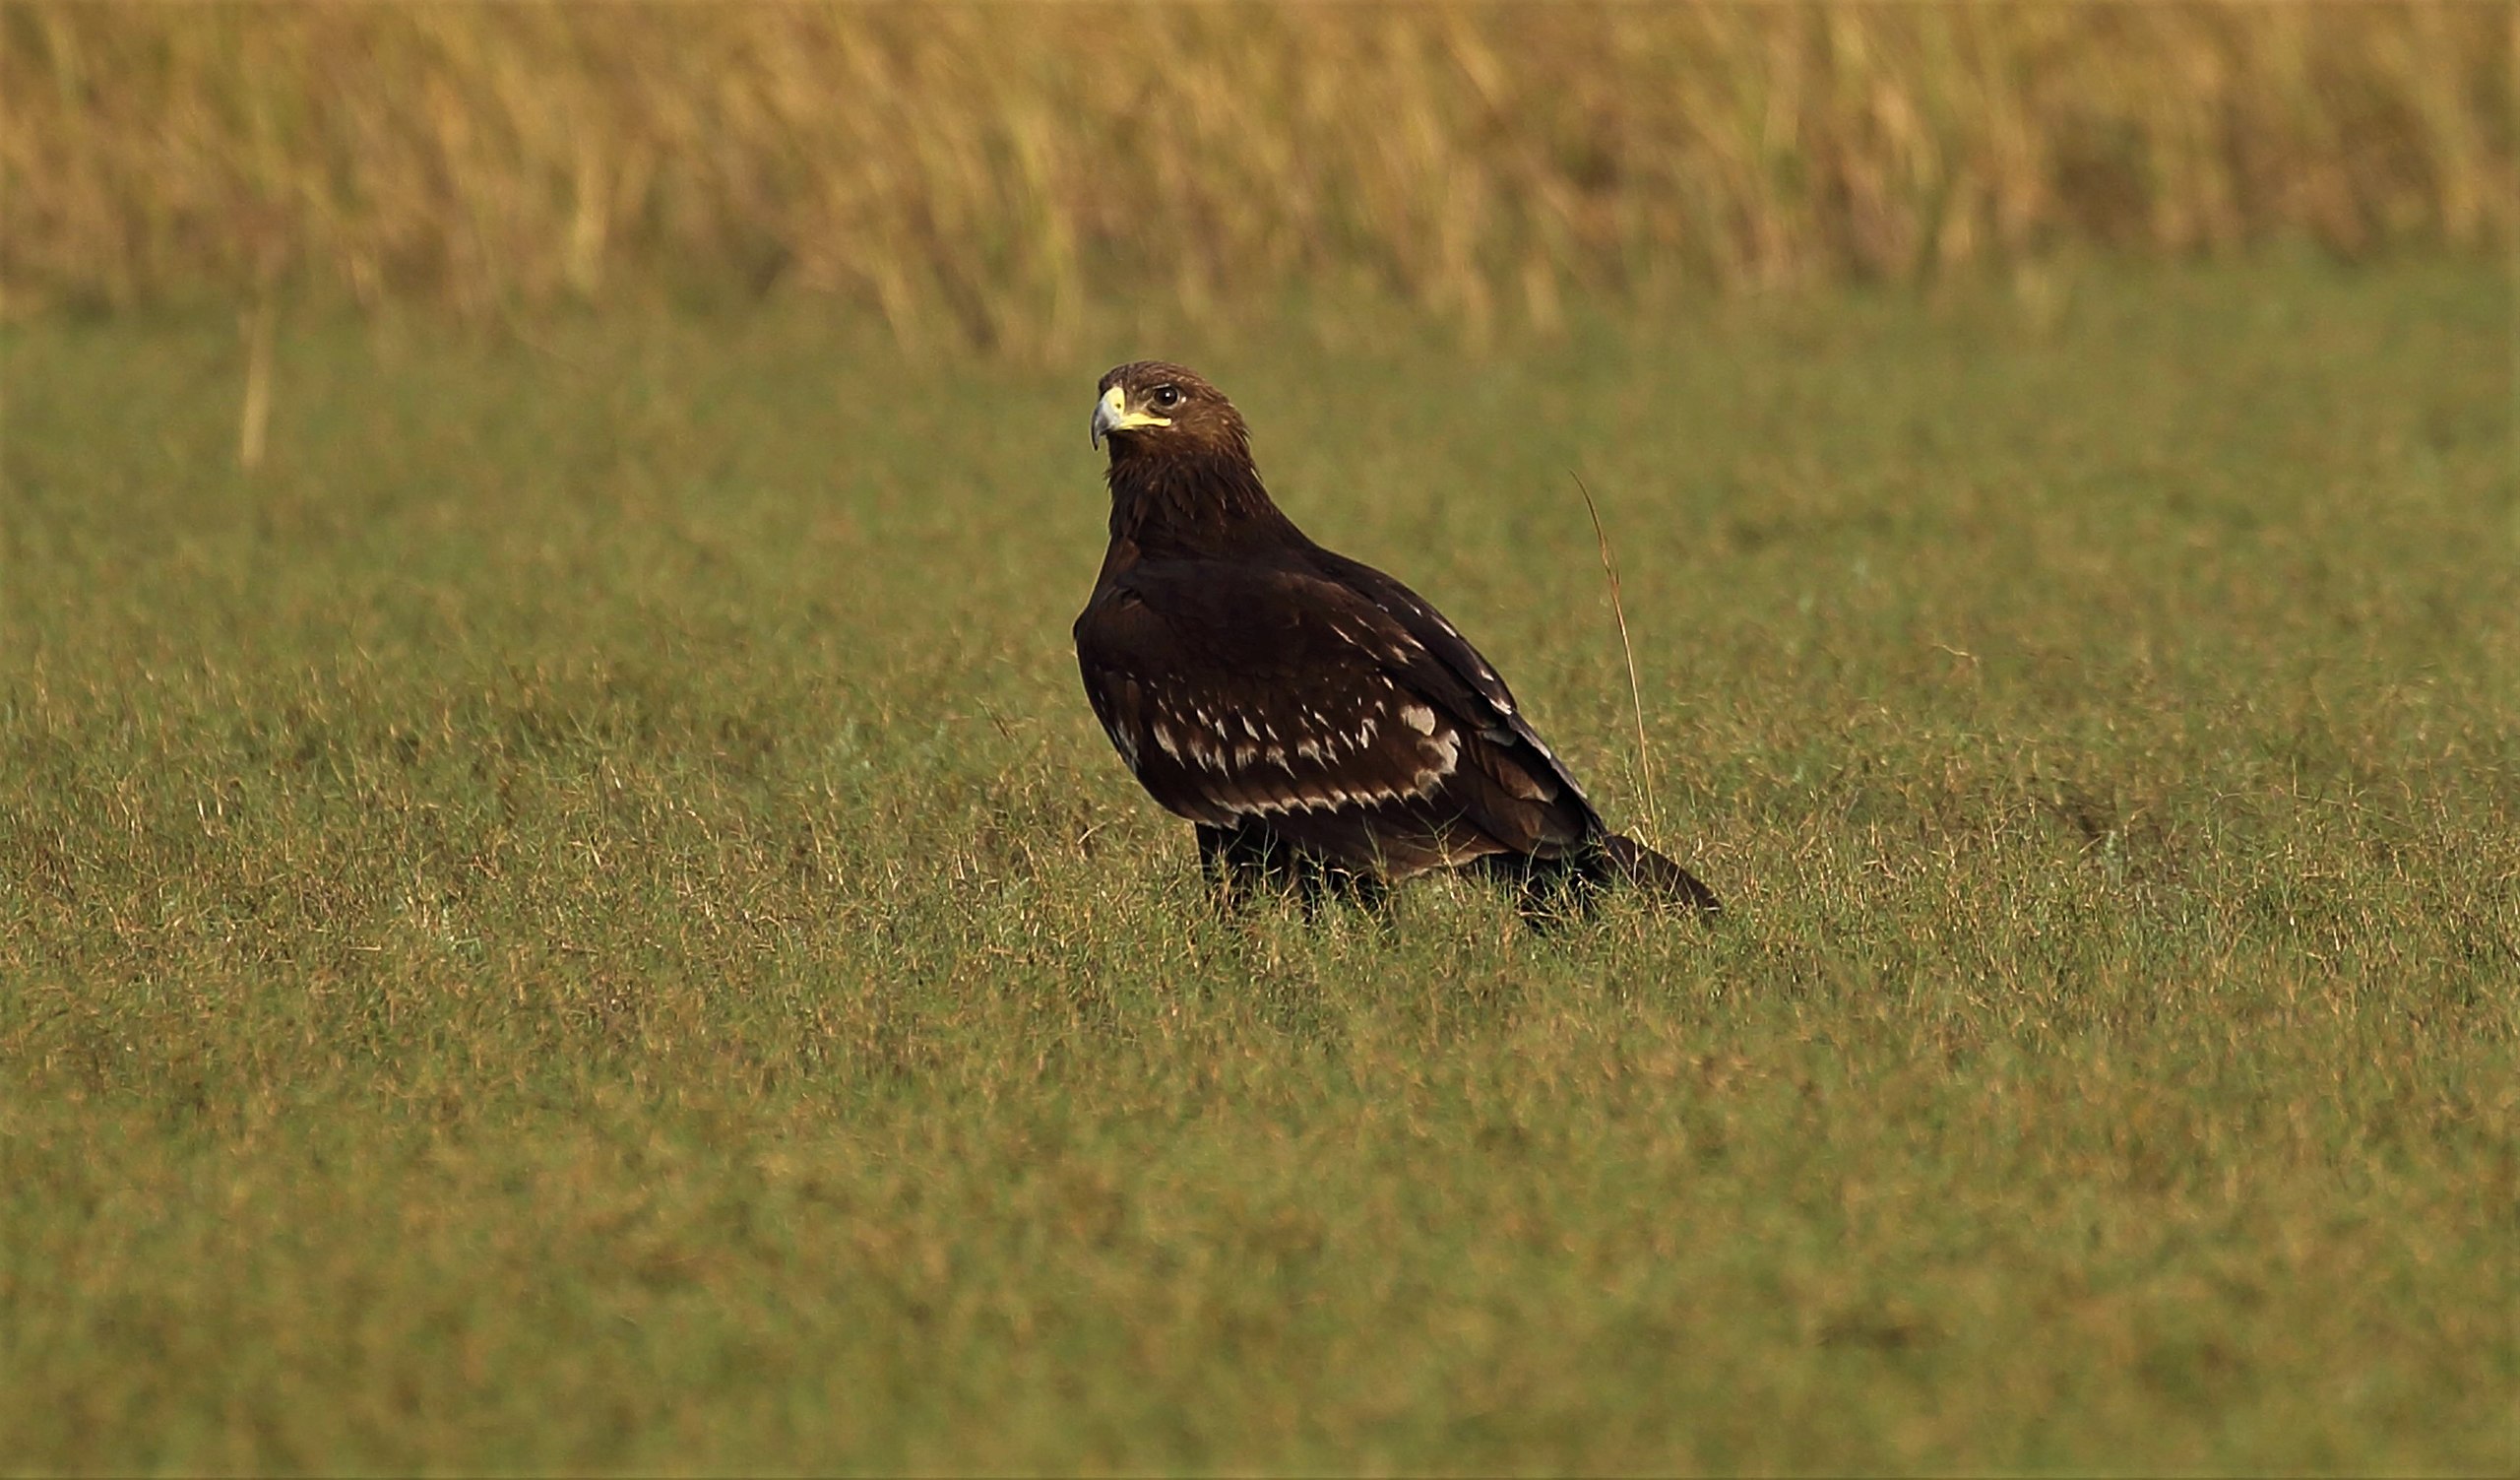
(985, 173)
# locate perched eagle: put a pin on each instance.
(1318, 721)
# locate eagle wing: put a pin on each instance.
(1238, 690)
(1498, 714)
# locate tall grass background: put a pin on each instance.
(990, 175)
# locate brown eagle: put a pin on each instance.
(1318, 721)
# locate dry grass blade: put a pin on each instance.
(254, 420)
(1627, 650)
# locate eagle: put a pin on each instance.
(1321, 723)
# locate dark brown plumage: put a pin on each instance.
(1317, 720)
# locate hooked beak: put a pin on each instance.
(1111, 414)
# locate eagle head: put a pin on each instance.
(1149, 406)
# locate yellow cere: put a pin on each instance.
(1115, 404)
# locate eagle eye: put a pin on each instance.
(1168, 397)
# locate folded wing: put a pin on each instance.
(1282, 693)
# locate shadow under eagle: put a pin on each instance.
(1320, 723)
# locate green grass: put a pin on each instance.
(579, 918)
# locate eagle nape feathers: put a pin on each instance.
(1321, 723)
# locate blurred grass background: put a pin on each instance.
(989, 176)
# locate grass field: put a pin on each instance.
(578, 916)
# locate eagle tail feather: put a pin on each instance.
(1632, 863)
(1558, 887)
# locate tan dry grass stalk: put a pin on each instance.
(985, 175)
(254, 417)
(1627, 650)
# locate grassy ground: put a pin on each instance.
(578, 916)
